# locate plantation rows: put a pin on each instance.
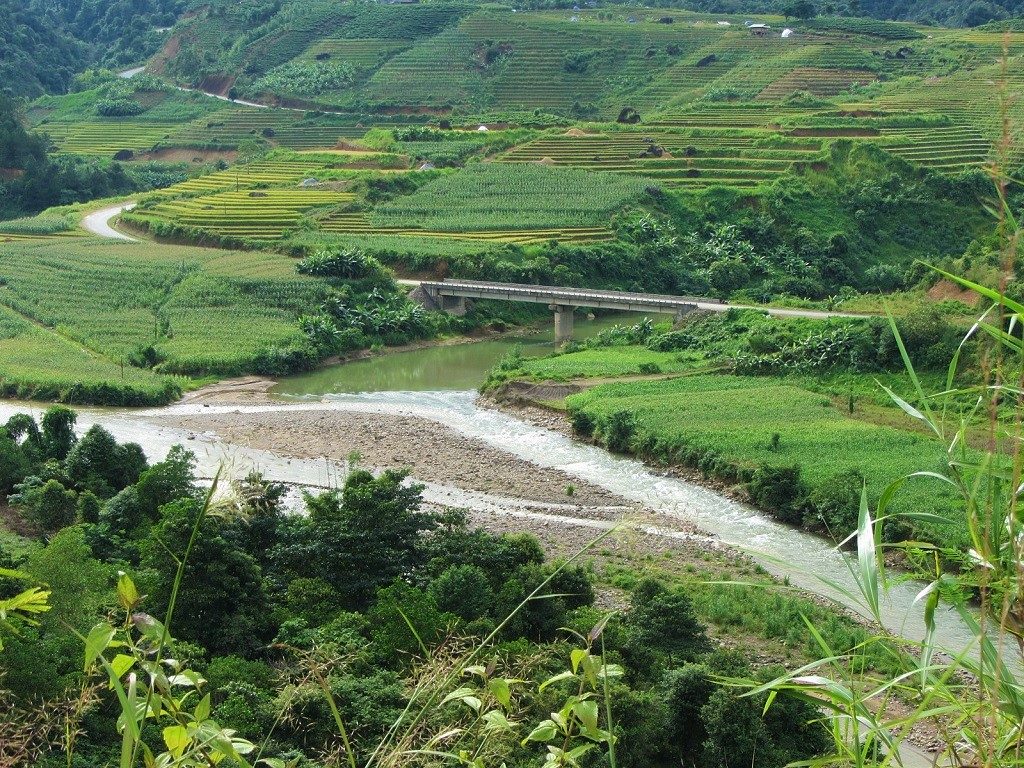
(818, 82)
(263, 172)
(723, 157)
(364, 53)
(507, 196)
(943, 148)
(199, 310)
(255, 215)
(358, 224)
(105, 138)
(283, 127)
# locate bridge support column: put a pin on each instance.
(454, 305)
(563, 322)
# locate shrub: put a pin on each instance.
(617, 431)
(779, 490)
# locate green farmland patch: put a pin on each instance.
(734, 426)
(491, 196)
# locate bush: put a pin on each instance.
(779, 490)
(617, 431)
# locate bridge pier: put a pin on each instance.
(454, 305)
(563, 322)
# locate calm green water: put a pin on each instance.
(453, 367)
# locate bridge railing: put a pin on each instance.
(554, 291)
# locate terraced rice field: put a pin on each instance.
(21, 237)
(951, 148)
(362, 53)
(269, 172)
(254, 215)
(105, 138)
(730, 158)
(818, 82)
(286, 128)
(358, 224)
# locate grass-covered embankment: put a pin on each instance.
(791, 413)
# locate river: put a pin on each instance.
(434, 384)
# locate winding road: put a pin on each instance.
(98, 222)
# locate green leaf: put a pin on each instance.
(96, 643)
(546, 731)
(577, 656)
(127, 594)
(567, 675)
(500, 690)
(121, 664)
(176, 739)
(586, 711)
(203, 709)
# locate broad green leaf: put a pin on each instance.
(586, 711)
(567, 675)
(203, 709)
(500, 690)
(176, 739)
(121, 664)
(127, 594)
(545, 731)
(96, 643)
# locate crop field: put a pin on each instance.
(361, 53)
(253, 215)
(735, 418)
(724, 157)
(607, 361)
(285, 128)
(358, 224)
(261, 172)
(198, 310)
(105, 138)
(39, 363)
(492, 196)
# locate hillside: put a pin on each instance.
(44, 44)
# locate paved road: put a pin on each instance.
(98, 222)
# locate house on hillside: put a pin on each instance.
(759, 30)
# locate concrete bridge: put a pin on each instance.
(450, 296)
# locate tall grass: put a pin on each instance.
(969, 698)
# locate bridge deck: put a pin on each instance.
(584, 297)
(573, 297)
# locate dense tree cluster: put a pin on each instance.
(31, 181)
(361, 587)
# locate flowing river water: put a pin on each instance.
(438, 384)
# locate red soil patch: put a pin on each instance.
(948, 290)
(219, 84)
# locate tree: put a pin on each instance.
(54, 507)
(464, 591)
(221, 604)
(59, 432)
(663, 620)
(801, 9)
(14, 465)
(98, 463)
(368, 535)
